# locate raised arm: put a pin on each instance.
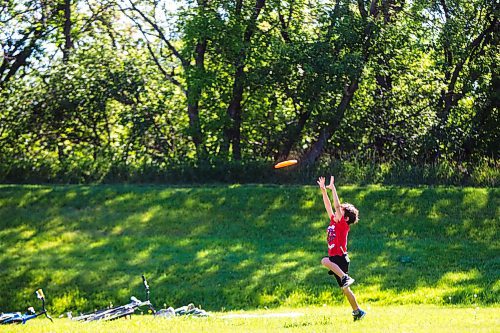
(336, 202)
(326, 199)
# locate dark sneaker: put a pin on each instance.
(346, 281)
(358, 314)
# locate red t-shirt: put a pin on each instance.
(336, 236)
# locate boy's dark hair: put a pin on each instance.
(351, 212)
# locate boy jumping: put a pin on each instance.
(338, 261)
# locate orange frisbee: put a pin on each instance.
(285, 164)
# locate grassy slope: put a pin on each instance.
(243, 246)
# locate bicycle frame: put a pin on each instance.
(18, 318)
(120, 311)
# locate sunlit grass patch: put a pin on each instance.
(400, 318)
(243, 247)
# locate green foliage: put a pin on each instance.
(151, 93)
(237, 247)
(352, 171)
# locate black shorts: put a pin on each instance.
(342, 262)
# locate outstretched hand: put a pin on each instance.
(330, 186)
(321, 182)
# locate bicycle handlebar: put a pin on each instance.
(145, 282)
(146, 286)
(39, 294)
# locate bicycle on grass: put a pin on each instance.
(119, 311)
(19, 318)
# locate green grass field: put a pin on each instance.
(424, 252)
(389, 318)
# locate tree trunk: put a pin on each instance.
(193, 90)
(68, 42)
(193, 97)
(7, 71)
(451, 97)
(233, 130)
(293, 131)
(312, 155)
(195, 129)
(292, 135)
(383, 91)
(326, 133)
(234, 111)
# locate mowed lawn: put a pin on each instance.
(419, 255)
(384, 318)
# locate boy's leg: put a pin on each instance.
(357, 313)
(332, 266)
(339, 265)
(351, 298)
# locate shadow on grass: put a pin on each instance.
(239, 247)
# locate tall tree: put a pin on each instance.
(233, 130)
(367, 30)
(466, 29)
(183, 69)
(296, 89)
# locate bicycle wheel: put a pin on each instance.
(111, 314)
(11, 318)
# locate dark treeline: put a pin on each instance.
(110, 90)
